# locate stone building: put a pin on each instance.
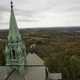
(19, 64)
(35, 67)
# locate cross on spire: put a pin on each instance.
(11, 4)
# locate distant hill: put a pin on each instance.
(60, 29)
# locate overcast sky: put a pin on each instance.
(41, 13)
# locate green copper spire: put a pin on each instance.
(14, 34)
(15, 52)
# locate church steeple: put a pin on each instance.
(15, 52)
(14, 34)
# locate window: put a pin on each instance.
(14, 55)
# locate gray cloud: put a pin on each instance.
(42, 12)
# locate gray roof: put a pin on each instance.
(16, 76)
(6, 73)
(34, 59)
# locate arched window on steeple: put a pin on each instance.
(14, 54)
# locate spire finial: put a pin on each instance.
(11, 4)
